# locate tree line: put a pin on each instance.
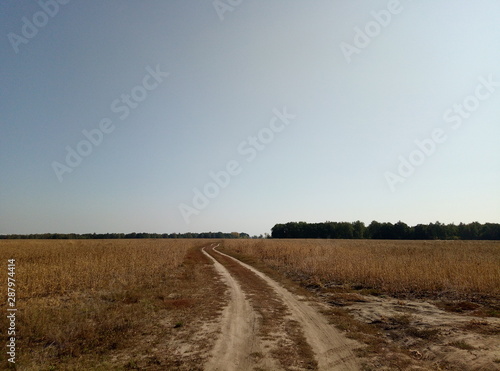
(90, 236)
(388, 231)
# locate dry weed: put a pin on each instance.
(394, 267)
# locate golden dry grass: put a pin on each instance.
(86, 297)
(55, 267)
(394, 267)
(80, 301)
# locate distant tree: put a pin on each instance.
(401, 231)
(345, 230)
(471, 231)
(452, 232)
(278, 231)
(420, 232)
(437, 231)
(490, 231)
(375, 230)
(359, 229)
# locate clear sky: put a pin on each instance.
(114, 113)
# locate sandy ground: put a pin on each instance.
(456, 341)
(243, 345)
(238, 338)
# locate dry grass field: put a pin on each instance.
(468, 269)
(58, 267)
(416, 305)
(154, 304)
(79, 300)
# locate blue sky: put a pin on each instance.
(362, 80)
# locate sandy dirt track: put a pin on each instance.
(238, 337)
(241, 344)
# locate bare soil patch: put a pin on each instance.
(297, 335)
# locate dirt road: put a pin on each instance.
(266, 327)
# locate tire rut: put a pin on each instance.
(269, 328)
(237, 343)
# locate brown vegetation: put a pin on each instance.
(154, 304)
(451, 268)
(87, 304)
(415, 304)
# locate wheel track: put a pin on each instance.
(333, 352)
(238, 341)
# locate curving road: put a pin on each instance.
(266, 327)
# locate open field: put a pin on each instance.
(103, 304)
(455, 269)
(169, 305)
(435, 302)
